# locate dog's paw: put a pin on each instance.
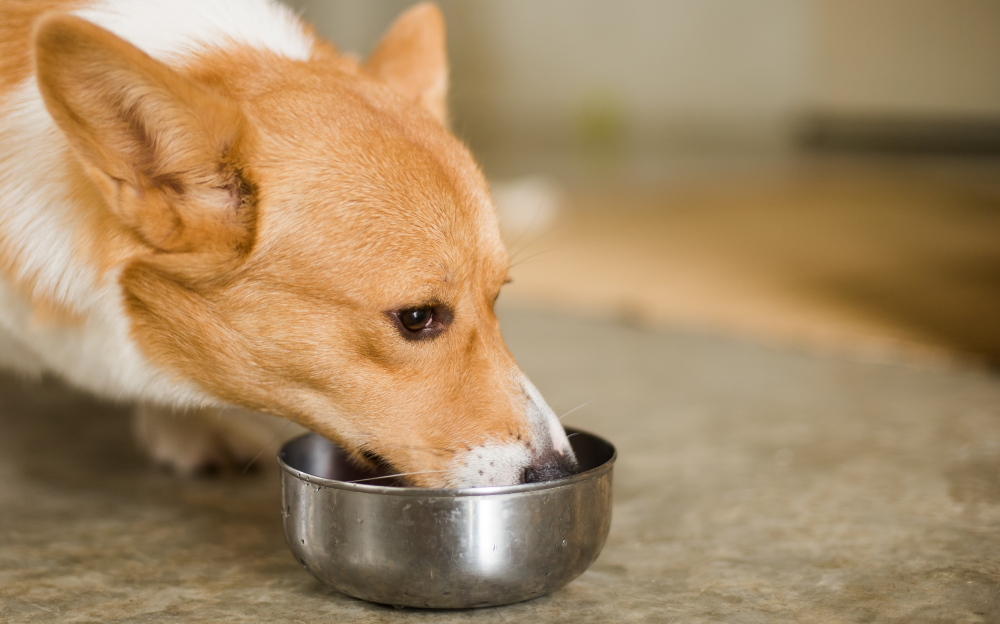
(210, 440)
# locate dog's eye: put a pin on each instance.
(422, 322)
(416, 319)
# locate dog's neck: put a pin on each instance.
(42, 218)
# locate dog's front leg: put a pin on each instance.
(209, 439)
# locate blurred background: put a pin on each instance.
(821, 173)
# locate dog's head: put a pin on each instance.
(308, 239)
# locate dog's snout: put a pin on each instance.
(550, 469)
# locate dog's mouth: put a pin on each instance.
(369, 468)
(376, 463)
(551, 468)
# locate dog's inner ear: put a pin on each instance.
(411, 58)
(163, 149)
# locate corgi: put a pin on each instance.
(204, 205)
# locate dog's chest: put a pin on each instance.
(95, 353)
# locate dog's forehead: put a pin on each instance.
(363, 185)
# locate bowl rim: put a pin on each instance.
(385, 490)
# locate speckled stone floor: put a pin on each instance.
(753, 485)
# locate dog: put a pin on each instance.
(204, 205)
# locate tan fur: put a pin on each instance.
(269, 213)
(17, 20)
(162, 149)
(412, 59)
(356, 365)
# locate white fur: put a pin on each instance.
(168, 28)
(542, 418)
(491, 464)
(503, 463)
(37, 217)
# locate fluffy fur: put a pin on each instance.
(203, 205)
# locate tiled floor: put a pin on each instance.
(753, 485)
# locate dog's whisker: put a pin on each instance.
(524, 233)
(401, 474)
(525, 247)
(576, 408)
(266, 446)
(572, 434)
(426, 449)
(414, 448)
(534, 255)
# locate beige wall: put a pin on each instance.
(693, 75)
(908, 57)
(676, 72)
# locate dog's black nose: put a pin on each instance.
(550, 468)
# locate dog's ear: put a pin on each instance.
(162, 148)
(411, 58)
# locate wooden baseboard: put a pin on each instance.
(881, 133)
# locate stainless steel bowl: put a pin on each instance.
(448, 549)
